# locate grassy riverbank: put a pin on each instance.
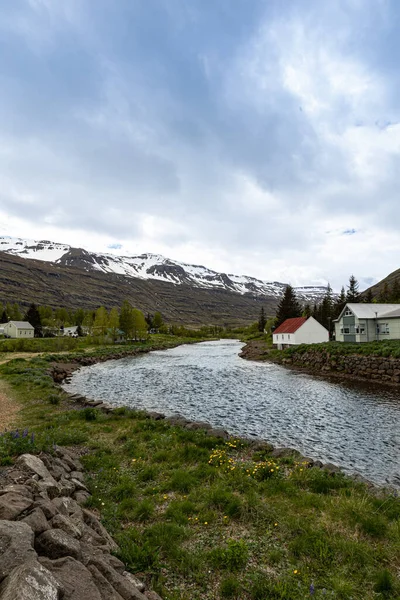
(204, 518)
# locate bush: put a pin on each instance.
(233, 556)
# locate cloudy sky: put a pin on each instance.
(257, 137)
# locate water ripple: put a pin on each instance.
(355, 426)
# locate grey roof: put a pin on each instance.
(373, 311)
(21, 324)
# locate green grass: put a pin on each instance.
(384, 348)
(204, 518)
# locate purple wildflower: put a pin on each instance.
(32, 438)
(25, 433)
(312, 589)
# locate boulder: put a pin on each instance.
(47, 507)
(120, 583)
(73, 528)
(16, 546)
(37, 521)
(218, 433)
(12, 505)
(81, 497)
(31, 581)
(76, 579)
(55, 543)
(135, 581)
(106, 590)
(22, 490)
(91, 520)
(33, 465)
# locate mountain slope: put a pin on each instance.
(152, 267)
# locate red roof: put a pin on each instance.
(291, 325)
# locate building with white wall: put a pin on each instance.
(299, 330)
(18, 329)
(360, 322)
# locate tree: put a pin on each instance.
(261, 320)
(307, 311)
(149, 320)
(4, 318)
(113, 323)
(126, 319)
(353, 295)
(139, 325)
(368, 298)
(33, 317)
(339, 304)
(385, 294)
(100, 322)
(288, 307)
(78, 316)
(157, 321)
(396, 291)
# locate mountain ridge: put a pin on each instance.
(152, 267)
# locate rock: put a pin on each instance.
(17, 476)
(218, 433)
(120, 583)
(80, 487)
(62, 464)
(33, 465)
(116, 564)
(331, 468)
(12, 505)
(66, 487)
(92, 538)
(30, 581)
(152, 596)
(77, 475)
(47, 507)
(16, 546)
(106, 590)
(81, 497)
(157, 416)
(76, 579)
(22, 490)
(285, 453)
(198, 425)
(57, 544)
(135, 581)
(37, 521)
(91, 520)
(73, 528)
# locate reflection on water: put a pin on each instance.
(355, 426)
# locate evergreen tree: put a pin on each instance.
(339, 304)
(78, 316)
(33, 317)
(396, 291)
(157, 321)
(288, 307)
(385, 294)
(113, 323)
(79, 331)
(368, 298)
(4, 318)
(262, 320)
(326, 310)
(126, 319)
(149, 320)
(307, 311)
(353, 295)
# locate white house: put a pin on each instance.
(18, 329)
(70, 331)
(299, 330)
(360, 322)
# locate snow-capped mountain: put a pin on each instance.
(151, 266)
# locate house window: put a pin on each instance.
(346, 329)
(288, 337)
(384, 328)
(283, 337)
(348, 313)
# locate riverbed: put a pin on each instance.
(354, 426)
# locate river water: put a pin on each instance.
(355, 426)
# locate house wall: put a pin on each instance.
(370, 334)
(11, 330)
(311, 332)
(284, 339)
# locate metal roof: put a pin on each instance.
(290, 325)
(372, 311)
(21, 324)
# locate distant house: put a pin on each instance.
(368, 322)
(71, 331)
(18, 329)
(1, 329)
(299, 330)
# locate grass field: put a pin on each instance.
(202, 518)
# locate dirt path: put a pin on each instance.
(9, 408)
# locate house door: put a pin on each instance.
(349, 337)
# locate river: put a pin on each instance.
(355, 426)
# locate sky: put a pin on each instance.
(255, 137)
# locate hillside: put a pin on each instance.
(60, 275)
(378, 287)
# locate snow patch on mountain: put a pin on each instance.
(152, 266)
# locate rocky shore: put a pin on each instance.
(51, 548)
(377, 369)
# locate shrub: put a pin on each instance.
(233, 556)
(229, 588)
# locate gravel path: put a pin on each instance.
(8, 408)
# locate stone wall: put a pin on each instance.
(376, 368)
(51, 548)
